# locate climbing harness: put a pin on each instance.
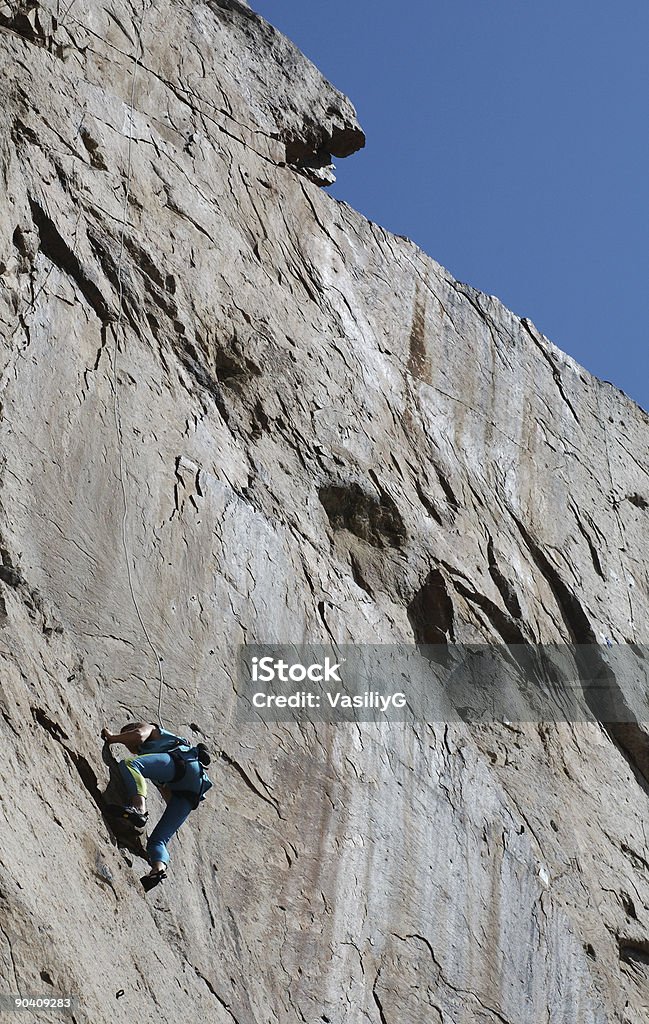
(181, 758)
(137, 56)
(182, 753)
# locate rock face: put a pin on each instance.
(322, 436)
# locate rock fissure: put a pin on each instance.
(57, 251)
(249, 783)
(431, 611)
(220, 1000)
(556, 372)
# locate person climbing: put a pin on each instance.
(176, 768)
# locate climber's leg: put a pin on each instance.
(135, 771)
(177, 811)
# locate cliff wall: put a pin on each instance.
(322, 437)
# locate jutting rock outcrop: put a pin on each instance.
(322, 436)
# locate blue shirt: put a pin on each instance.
(163, 744)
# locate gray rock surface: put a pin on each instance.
(323, 436)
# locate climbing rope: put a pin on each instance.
(137, 56)
(60, 19)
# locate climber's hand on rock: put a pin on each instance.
(106, 735)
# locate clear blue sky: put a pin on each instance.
(510, 140)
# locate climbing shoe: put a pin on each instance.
(135, 818)
(150, 881)
(203, 754)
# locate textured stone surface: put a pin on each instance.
(324, 436)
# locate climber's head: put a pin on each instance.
(132, 725)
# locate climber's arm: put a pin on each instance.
(131, 738)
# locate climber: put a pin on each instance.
(176, 768)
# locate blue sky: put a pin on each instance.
(510, 140)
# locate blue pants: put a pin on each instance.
(160, 769)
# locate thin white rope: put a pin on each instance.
(66, 12)
(137, 56)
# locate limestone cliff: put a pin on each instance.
(322, 436)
